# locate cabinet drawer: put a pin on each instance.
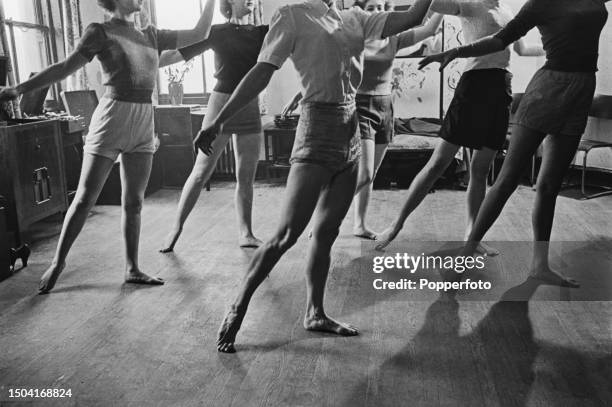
(38, 178)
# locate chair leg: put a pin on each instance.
(583, 180)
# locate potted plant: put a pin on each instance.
(176, 77)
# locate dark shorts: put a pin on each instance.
(479, 112)
(375, 118)
(328, 135)
(557, 102)
(246, 121)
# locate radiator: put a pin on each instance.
(226, 165)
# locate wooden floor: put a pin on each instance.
(115, 344)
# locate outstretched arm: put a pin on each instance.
(201, 30)
(251, 85)
(528, 17)
(449, 7)
(484, 46)
(399, 21)
(418, 34)
(48, 76)
(170, 57)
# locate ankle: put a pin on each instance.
(314, 313)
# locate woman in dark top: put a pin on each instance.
(121, 124)
(236, 45)
(554, 108)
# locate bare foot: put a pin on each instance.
(228, 330)
(386, 237)
(48, 280)
(138, 277)
(249, 241)
(486, 250)
(171, 240)
(326, 324)
(548, 276)
(364, 233)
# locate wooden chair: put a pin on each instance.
(600, 109)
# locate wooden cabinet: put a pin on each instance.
(31, 173)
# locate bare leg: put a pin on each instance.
(419, 188)
(94, 172)
(558, 154)
(523, 144)
(202, 170)
(477, 187)
(246, 148)
(332, 207)
(304, 186)
(135, 171)
(371, 158)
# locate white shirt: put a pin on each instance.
(480, 19)
(325, 44)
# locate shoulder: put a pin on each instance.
(95, 32)
(95, 28)
(283, 13)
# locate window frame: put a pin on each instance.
(49, 31)
(188, 98)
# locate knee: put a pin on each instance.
(283, 241)
(199, 175)
(326, 234)
(479, 175)
(367, 177)
(83, 202)
(133, 204)
(506, 184)
(548, 189)
(244, 179)
(436, 167)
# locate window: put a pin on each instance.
(34, 36)
(200, 78)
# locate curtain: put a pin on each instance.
(73, 29)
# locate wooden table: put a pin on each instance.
(278, 143)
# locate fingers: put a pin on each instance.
(424, 62)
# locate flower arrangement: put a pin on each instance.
(176, 77)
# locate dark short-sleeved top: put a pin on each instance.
(236, 49)
(129, 57)
(570, 31)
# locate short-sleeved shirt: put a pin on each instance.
(570, 31)
(236, 49)
(326, 46)
(478, 20)
(129, 57)
(378, 63)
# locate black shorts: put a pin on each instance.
(479, 112)
(375, 114)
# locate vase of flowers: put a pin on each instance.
(176, 77)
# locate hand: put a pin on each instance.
(203, 141)
(444, 58)
(7, 94)
(290, 107)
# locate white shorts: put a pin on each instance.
(119, 127)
